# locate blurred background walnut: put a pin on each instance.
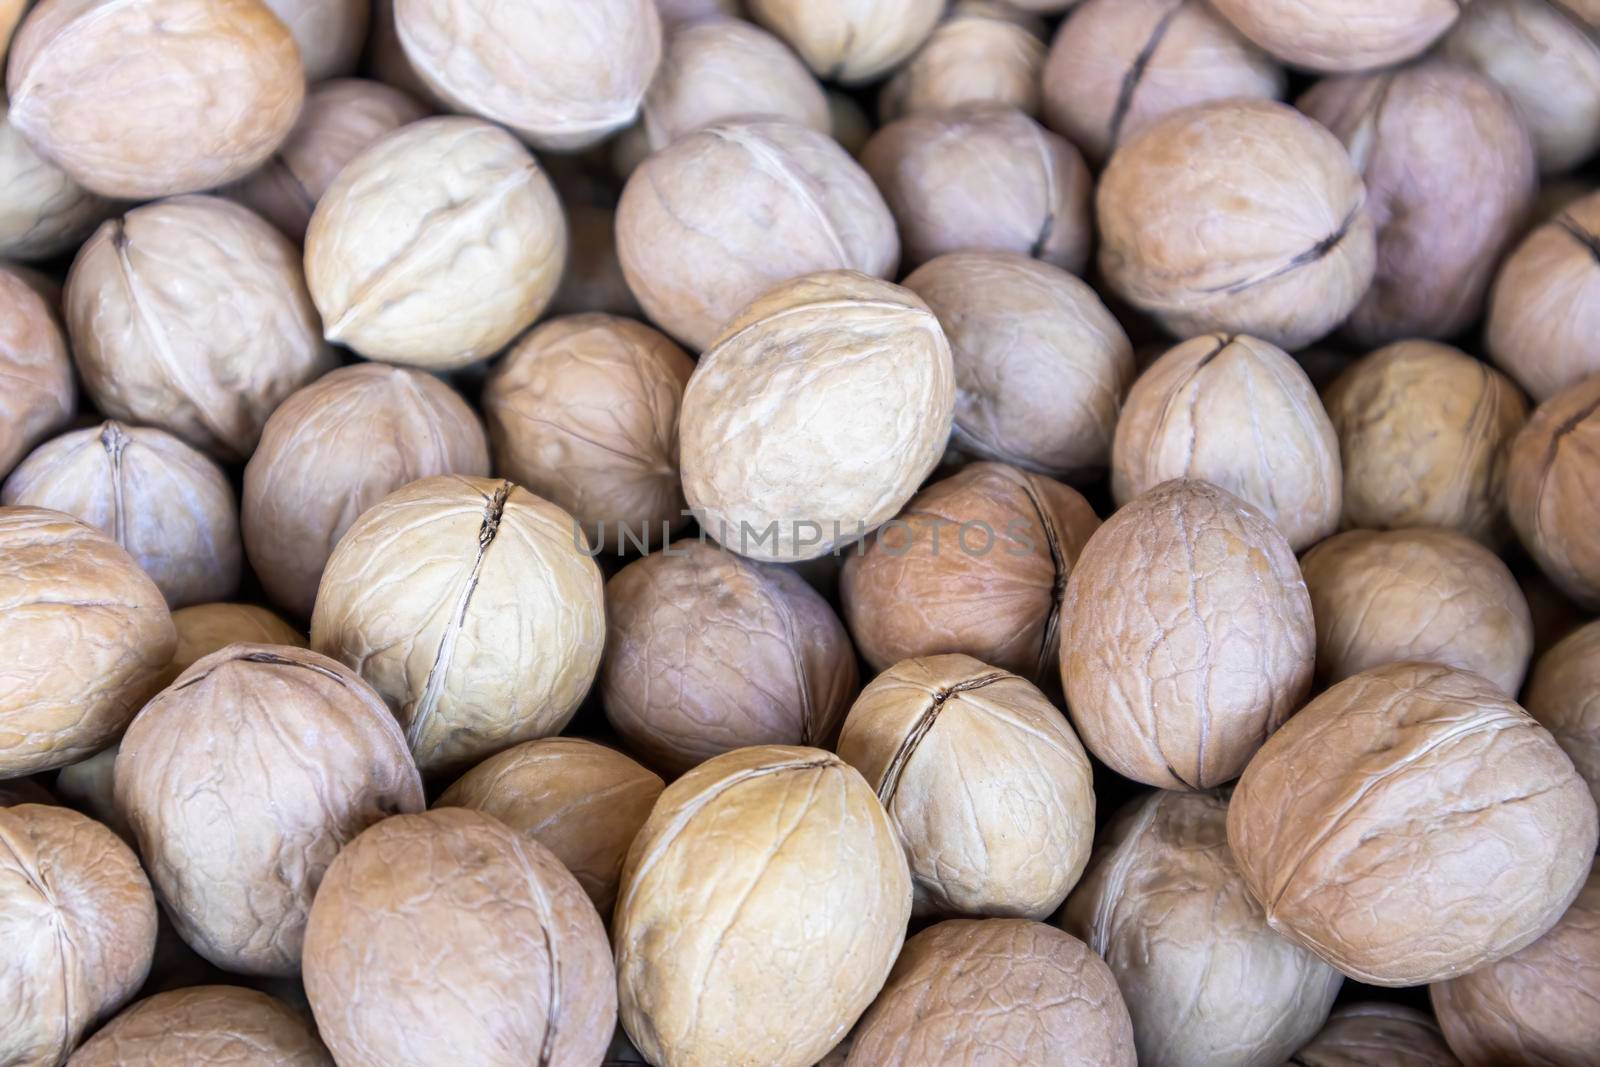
(981, 52)
(40, 395)
(1342, 35)
(846, 41)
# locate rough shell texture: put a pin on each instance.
(850, 41)
(1544, 310)
(1189, 636)
(982, 52)
(1563, 693)
(707, 652)
(1377, 1034)
(1239, 413)
(1369, 825)
(207, 628)
(43, 212)
(449, 938)
(334, 449)
(1243, 216)
(79, 923)
(242, 780)
(328, 33)
(148, 98)
(1342, 35)
(1205, 979)
(774, 960)
(789, 201)
(975, 563)
(473, 608)
(40, 396)
(205, 1026)
(86, 635)
(192, 315)
(996, 991)
(1553, 490)
(816, 415)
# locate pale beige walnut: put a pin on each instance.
(976, 563)
(1205, 979)
(1376, 1034)
(1544, 310)
(582, 801)
(1342, 35)
(329, 33)
(1239, 216)
(1116, 66)
(1239, 413)
(788, 200)
(148, 98)
(982, 52)
(707, 652)
(473, 608)
(1563, 693)
(996, 991)
(334, 449)
(242, 780)
(1371, 823)
(192, 315)
(40, 396)
(850, 41)
(207, 628)
(562, 76)
(815, 415)
(1041, 364)
(1015, 839)
(448, 937)
(86, 635)
(1425, 433)
(774, 959)
(43, 213)
(984, 177)
(436, 245)
(1553, 490)
(204, 1026)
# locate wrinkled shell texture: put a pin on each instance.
(1370, 824)
(42, 211)
(1425, 433)
(818, 412)
(204, 1026)
(192, 315)
(976, 563)
(1205, 979)
(708, 652)
(789, 201)
(1377, 1034)
(1189, 636)
(982, 52)
(1553, 490)
(1544, 310)
(561, 75)
(850, 41)
(1240, 216)
(334, 449)
(40, 396)
(148, 98)
(1563, 693)
(1015, 840)
(584, 412)
(582, 801)
(86, 635)
(242, 780)
(436, 245)
(79, 923)
(1000, 993)
(328, 33)
(1342, 35)
(1239, 413)
(473, 608)
(207, 628)
(449, 938)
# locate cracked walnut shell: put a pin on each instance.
(204, 1026)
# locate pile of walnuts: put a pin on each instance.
(799, 533)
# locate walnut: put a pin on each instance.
(846, 41)
(328, 33)
(1563, 693)
(1552, 493)
(43, 213)
(1342, 35)
(1377, 1034)
(203, 1025)
(981, 52)
(40, 397)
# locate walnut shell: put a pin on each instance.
(207, 628)
(1369, 825)
(204, 1025)
(847, 41)
(449, 938)
(39, 397)
(1563, 693)
(1377, 1034)
(43, 213)
(1342, 35)
(981, 52)
(1552, 493)
(773, 961)
(328, 33)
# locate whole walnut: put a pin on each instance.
(584, 411)
(981, 52)
(986, 178)
(1370, 824)
(1116, 66)
(203, 1025)
(1553, 493)
(848, 41)
(1342, 35)
(708, 652)
(39, 397)
(1241, 216)
(1164, 904)
(328, 33)
(242, 780)
(207, 628)
(86, 635)
(975, 563)
(447, 937)
(43, 213)
(1189, 636)
(788, 201)
(815, 416)
(1184, 418)
(1563, 693)
(191, 315)
(79, 923)
(773, 960)
(130, 99)
(436, 245)
(1041, 365)
(582, 801)
(1377, 1034)
(1018, 840)
(473, 608)
(334, 449)
(1425, 432)
(996, 991)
